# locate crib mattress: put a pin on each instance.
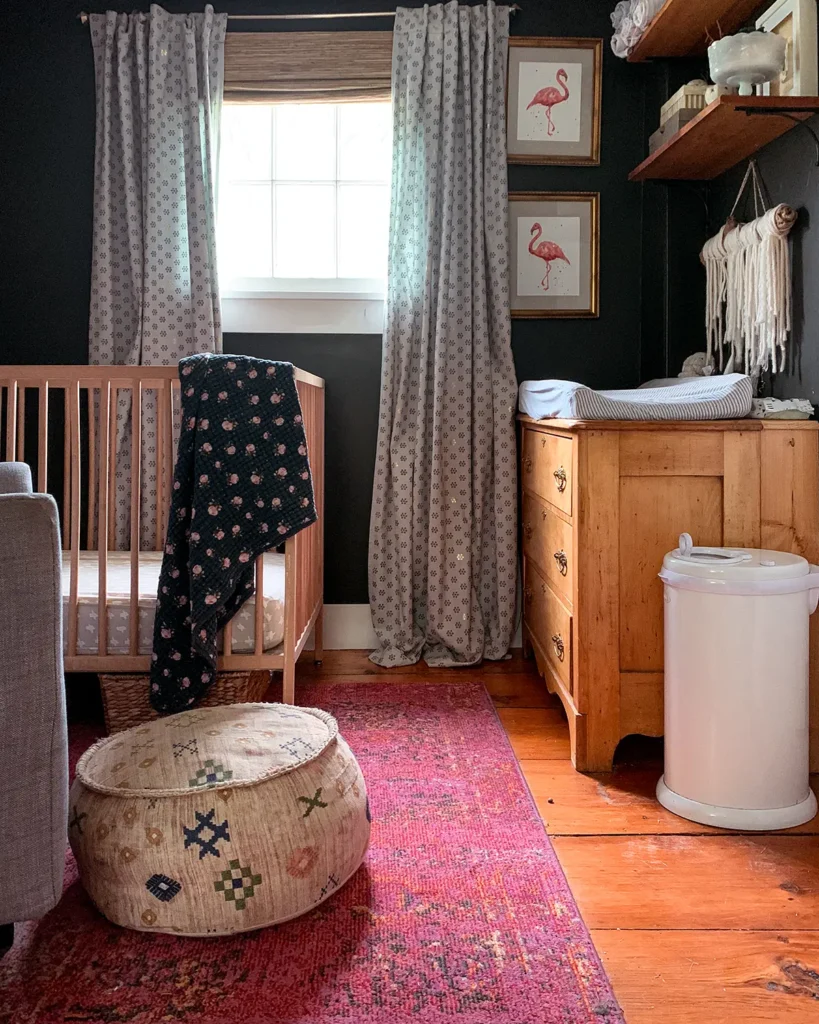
(692, 398)
(119, 590)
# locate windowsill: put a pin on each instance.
(246, 313)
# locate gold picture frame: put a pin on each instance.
(561, 122)
(557, 235)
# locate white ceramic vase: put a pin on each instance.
(746, 60)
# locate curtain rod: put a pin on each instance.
(83, 16)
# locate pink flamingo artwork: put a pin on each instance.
(550, 96)
(546, 251)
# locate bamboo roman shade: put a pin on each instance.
(299, 67)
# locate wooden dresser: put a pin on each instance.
(601, 503)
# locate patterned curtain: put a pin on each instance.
(154, 292)
(443, 560)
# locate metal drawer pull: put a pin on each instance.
(557, 643)
(562, 562)
(560, 478)
(527, 463)
(528, 530)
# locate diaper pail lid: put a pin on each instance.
(733, 564)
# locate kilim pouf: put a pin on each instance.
(218, 820)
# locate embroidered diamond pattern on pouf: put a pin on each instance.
(210, 774)
(188, 747)
(163, 888)
(238, 884)
(297, 747)
(77, 820)
(205, 823)
(331, 884)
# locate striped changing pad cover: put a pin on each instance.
(726, 397)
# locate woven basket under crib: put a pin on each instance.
(125, 697)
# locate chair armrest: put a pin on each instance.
(34, 753)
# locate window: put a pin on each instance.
(304, 200)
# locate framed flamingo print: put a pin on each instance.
(554, 241)
(553, 100)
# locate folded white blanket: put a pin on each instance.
(691, 398)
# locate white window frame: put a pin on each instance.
(303, 305)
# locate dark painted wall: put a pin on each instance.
(674, 228)
(788, 168)
(351, 366)
(679, 216)
(47, 149)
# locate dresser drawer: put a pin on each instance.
(547, 468)
(549, 623)
(547, 540)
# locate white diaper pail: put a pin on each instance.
(736, 686)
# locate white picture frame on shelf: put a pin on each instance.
(795, 20)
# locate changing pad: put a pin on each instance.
(726, 397)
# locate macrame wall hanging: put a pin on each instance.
(748, 286)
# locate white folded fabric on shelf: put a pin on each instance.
(630, 19)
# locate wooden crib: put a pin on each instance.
(63, 421)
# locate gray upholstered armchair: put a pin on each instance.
(33, 744)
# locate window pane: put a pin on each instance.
(245, 143)
(305, 142)
(305, 243)
(364, 141)
(244, 231)
(363, 218)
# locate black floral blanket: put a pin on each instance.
(241, 486)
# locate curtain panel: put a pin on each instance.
(154, 289)
(443, 537)
(307, 67)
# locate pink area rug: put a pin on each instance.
(460, 914)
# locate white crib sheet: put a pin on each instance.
(692, 398)
(150, 563)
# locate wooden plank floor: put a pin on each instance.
(694, 925)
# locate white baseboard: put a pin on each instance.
(349, 627)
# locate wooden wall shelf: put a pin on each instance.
(722, 135)
(681, 27)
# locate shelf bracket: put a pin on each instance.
(790, 113)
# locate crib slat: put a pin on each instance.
(112, 467)
(259, 626)
(290, 638)
(102, 518)
(66, 468)
(167, 455)
(11, 419)
(136, 466)
(21, 423)
(73, 394)
(92, 468)
(159, 468)
(42, 438)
